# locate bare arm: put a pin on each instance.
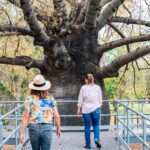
(57, 119)
(23, 126)
(100, 96)
(80, 102)
(79, 111)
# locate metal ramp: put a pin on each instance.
(117, 136)
(75, 141)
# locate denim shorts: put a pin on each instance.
(40, 135)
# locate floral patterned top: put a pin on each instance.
(41, 110)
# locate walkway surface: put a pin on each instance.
(75, 141)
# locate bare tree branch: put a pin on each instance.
(114, 44)
(146, 61)
(40, 36)
(41, 15)
(72, 3)
(126, 8)
(81, 12)
(16, 29)
(25, 61)
(111, 70)
(15, 2)
(104, 2)
(7, 34)
(10, 22)
(108, 12)
(60, 8)
(137, 64)
(118, 19)
(91, 14)
(121, 78)
(128, 50)
(134, 81)
(120, 33)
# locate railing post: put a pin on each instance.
(142, 107)
(117, 121)
(18, 115)
(142, 111)
(16, 125)
(144, 133)
(132, 116)
(117, 117)
(125, 122)
(128, 137)
(0, 109)
(1, 134)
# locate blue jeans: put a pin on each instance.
(93, 117)
(40, 136)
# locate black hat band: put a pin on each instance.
(39, 85)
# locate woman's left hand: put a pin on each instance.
(21, 139)
(58, 132)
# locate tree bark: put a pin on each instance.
(40, 36)
(118, 19)
(25, 61)
(108, 12)
(16, 29)
(91, 14)
(66, 86)
(117, 43)
(111, 70)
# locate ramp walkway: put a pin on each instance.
(131, 124)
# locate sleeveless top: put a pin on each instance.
(40, 110)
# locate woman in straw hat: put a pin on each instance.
(40, 107)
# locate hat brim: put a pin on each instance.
(43, 88)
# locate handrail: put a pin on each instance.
(17, 125)
(10, 135)
(10, 102)
(134, 134)
(59, 101)
(127, 128)
(10, 112)
(73, 101)
(138, 113)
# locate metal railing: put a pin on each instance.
(13, 115)
(81, 128)
(126, 115)
(125, 123)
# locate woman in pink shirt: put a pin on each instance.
(90, 101)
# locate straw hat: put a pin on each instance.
(39, 83)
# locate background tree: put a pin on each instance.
(67, 31)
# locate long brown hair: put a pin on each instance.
(40, 94)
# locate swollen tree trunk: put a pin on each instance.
(69, 73)
(66, 86)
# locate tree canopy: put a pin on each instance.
(46, 34)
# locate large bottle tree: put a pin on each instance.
(71, 48)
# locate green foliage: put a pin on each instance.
(2, 88)
(110, 85)
(125, 89)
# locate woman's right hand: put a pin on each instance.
(78, 113)
(58, 132)
(21, 138)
